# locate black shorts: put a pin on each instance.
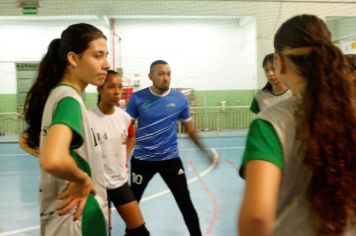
(121, 195)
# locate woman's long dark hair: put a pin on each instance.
(326, 127)
(75, 38)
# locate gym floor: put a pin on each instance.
(216, 191)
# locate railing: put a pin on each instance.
(11, 125)
(215, 119)
(220, 118)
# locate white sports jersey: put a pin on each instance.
(293, 214)
(51, 223)
(267, 99)
(111, 132)
(293, 209)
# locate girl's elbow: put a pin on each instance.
(48, 163)
(259, 220)
(256, 224)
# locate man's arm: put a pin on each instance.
(189, 128)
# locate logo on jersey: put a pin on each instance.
(180, 171)
(146, 105)
(171, 105)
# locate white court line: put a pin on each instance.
(216, 148)
(20, 231)
(150, 197)
(12, 155)
(168, 191)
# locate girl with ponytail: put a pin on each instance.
(50, 71)
(72, 190)
(300, 157)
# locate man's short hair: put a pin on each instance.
(158, 62)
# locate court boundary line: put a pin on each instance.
(15, 154)
(211, 197)
(233, 165)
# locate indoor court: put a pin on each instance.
(215, 50)
(216, 191)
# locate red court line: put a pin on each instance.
(233, 165)
(211, 197)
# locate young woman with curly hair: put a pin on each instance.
(299, 163)
(351, 76)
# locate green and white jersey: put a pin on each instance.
(272, 138)
(111, 132)
(65, 106)
(264, 99)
